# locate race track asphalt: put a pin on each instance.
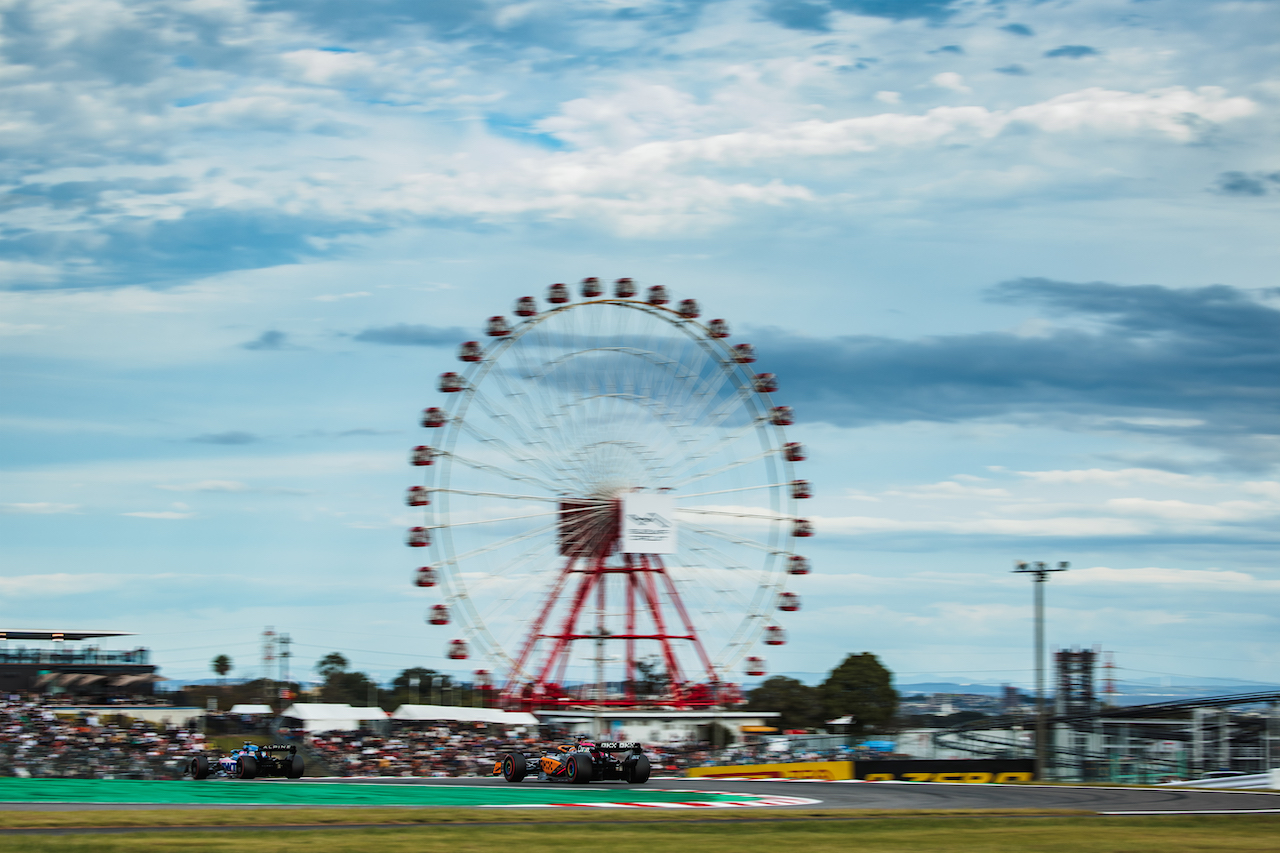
(857, 795)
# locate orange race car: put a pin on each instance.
(579, 763)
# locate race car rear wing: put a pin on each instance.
(618, 745)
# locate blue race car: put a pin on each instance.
(250, 762)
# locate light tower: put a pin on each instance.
(1040, 573)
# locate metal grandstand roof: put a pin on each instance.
(34, 634)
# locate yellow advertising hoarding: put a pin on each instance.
(970, 772)
(825, 770)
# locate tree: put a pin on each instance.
(221, 665)
(404, 691)
(798, 703)
(332, 663)
(651, 679)
(860, 687)
(401, 683)
(340, 686)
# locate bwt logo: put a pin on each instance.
(651, 518)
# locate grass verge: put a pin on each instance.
(444, 816)
(1174, 834)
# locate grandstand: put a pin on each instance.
(60, 670)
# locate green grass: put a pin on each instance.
(1174, 834)
(446, 816)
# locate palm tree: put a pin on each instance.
(221, 665)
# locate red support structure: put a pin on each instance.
(590, 540)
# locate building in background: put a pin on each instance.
(82, 672)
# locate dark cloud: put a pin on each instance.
(1242, 183)
(269, 340)
(799, 14)
(376, 18)
(549, 27)
(1207, 354)
(1072, 51)
(1018, 29)
(406, 335)
(230, 437)
(1015, 69)
(897, 10)
(200, 242)
(814, 14)
(89, 194)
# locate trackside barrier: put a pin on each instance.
(827, 771)
(971, 772)
(967, 771)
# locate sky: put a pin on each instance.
(1012, 262)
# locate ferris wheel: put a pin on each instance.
(609, 499)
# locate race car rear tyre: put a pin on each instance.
(513, 766)
(198, 768)
(577, 770)
(246, 767)
(639, 771)
(296, 767)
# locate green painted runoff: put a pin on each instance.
(327, 793)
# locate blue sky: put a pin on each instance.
(1014, 264)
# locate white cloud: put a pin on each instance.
(166, 515)
(950, 489)
(62, 584)
(207, 486)
(1175, 510)
(334, 297)
(950, 80)
(1121, 477)
(38, 508)
(887, 97)
(1082, 527)
(14, 329)
(1153, 576)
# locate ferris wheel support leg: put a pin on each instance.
(650, 590)
(631, 631)
(560, 649)
(535, 631)
(688, 624)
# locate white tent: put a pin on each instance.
(322, 717)
(460, 714)
(250, 709)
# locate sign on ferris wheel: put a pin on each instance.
(648, 524)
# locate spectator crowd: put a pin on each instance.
(88, 744)
(36, 742)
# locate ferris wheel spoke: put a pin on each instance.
(702, 511)
(500, 415)
(724, 442)
(493, 441)
(740, 489)
(737, 540)
(737, 463)
(504, 495)
(712, 389)
(710, 373)
(499, 470)
(495, 546)
(454, 524)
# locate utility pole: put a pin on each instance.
(268, 659)
(1040, 573)
(282, 643)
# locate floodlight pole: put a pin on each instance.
(1040, 572)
